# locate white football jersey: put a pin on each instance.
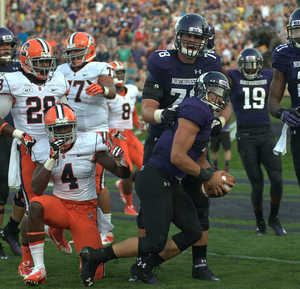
(32, 100)
(91, 111)
(121, 109)
(73, 174)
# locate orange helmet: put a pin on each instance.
(84, 44)
(121, 75)
(33, 54)
(61, 115)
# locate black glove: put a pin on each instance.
(168, 115)
(216, 127)
(290, 116)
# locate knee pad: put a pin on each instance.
(186, 239)
(17, 200)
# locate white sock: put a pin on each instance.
(37, 252)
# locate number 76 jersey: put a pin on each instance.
(32, 101)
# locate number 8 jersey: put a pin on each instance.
(31, 101)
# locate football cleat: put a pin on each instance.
(274, 223)
(143, 272)
(261, 228)
(118, 184)
(59, 239)
(37, 276)
(3, 254)
(200, 271)
(12, 238)
(89, 267)
(130, 210)
(107, 238)
(25, 268)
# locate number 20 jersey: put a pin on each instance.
(31, 101)
(177, 78)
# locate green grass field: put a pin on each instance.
(236, 255)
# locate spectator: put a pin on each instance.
(28, 24)
(124, 53)
(103, 55)
(131, 71)
(137, 52)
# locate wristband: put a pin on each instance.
(17, 133)
(205, 174)
(157, 115)
(279, 112)
(222, 120)
(49, 164)
(106, 91)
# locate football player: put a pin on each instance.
(8, 47)
(172, 74)
(32, 91)
(285, 61)
(180, 150)
(69, 160)
(255, 138)
(91, 85)
(121, 119)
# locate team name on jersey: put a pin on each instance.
(296, 63)
(184, 81)
(251, 82)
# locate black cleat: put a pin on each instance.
(88, 268)
(2, 254)
(12, 238)
(274, 223)
(261, 228)
(200, 271)
(143, 272)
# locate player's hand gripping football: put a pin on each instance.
(216, 127)
(55, 146)
(28, 140)
(117, 154)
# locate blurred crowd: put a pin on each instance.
(130, 30)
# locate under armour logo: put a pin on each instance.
(143, 265)
(197, 71)
(167, 184)
(89, 282)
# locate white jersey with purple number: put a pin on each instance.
(73, 174)
(91, 111)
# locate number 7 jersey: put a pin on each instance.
(31, 101)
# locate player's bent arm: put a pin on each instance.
(40, 179)
(277, 88)
(109, 164)
(108, 83)
(8, 130)
(183, 140)
(149, 106)
(225, 115)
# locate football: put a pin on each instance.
(208, 191)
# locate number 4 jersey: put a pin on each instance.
(73, 174)
(31, 101)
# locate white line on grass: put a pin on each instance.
(249, 257)
(255, 258)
